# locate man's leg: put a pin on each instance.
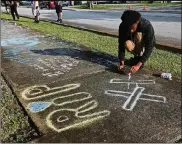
(16, 12)
(60, 17)
(6, 6)
(60, 14)
(136, 49)
(57, 16)
(32, 11)
(12, 12)
(139, 48)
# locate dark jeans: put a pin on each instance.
(14, 12)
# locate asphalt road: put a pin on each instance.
(166, 25)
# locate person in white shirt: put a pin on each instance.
(35, 11)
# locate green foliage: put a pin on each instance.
(15, 127)
(112, 6)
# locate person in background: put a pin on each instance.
(13, 8)
(136, 35)
(6, 5)
(58, 7)
(35, 11)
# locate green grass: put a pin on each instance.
(111, 6)
(15, 126)
(160, 60)
(162, 4)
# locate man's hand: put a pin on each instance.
(136, 67)
(121, 65)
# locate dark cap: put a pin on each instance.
(129, 17)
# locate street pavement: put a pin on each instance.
(167, 26)
(75, 94)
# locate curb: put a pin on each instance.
(119, 10)
(167, 47)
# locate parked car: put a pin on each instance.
(65, 3)
(26, 3)
(43, 4)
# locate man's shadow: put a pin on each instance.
(108, 61)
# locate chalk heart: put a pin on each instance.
(38, 106)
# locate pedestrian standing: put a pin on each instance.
(6, 5)
(35, 11)
(58, 7)
(13, 8)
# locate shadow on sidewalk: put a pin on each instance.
(107, 60)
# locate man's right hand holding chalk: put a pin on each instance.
(121, 66)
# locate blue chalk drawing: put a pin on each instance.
(39, 106)
(19, 41)
(20, 46)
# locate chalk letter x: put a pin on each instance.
(133, 97)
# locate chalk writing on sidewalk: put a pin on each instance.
(55, 66)
(135, 95)
(49, 67)
(65, 116)
(74, 118)
(19, 47)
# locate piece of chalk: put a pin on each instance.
(129, 76)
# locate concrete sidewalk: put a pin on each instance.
(74, 94)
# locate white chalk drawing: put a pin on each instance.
(77, 117)
(136, 94)
(41, 91)
(66, 117)
(35, 107)
(141, 82)
(48, 66)
(55, 66)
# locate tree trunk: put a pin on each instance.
(151, 1)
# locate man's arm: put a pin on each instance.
(121, 41)
(149, 41)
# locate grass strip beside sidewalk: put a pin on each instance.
(15, 124)
(160, 60)
(113, 6)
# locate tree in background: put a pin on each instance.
(151, 1)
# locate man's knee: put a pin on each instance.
(129, 45)
(138, 37)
